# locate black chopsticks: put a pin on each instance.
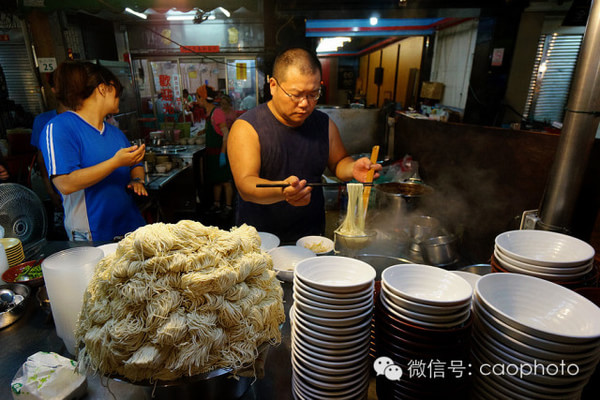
(314, 184)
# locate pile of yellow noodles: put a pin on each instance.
(178, 300)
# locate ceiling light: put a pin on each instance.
(373, 21)
(137, 14)
(331, 44)
(174, 15)
(180, 17)
(224, 11)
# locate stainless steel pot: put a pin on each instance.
(400, 198)
(440, 250)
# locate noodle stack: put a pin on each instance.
(178, 300)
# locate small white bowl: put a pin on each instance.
(268, 241)
(545, 248)
(329, 302)
(109, 248)
(286, 258)
(309, 363)
(336, 274)
(317, 244)
(540, 307)
(341, 298)
(426, 284)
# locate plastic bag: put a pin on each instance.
(48, 376)
(402, 170)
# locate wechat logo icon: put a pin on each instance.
(385, 366)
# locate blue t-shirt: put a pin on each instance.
(103, 210)
(38, 125)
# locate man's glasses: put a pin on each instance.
(311, 98)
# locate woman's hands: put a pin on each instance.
(129, 156)
(297, 194)
(138, 187)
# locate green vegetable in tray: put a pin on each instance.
(32, 272)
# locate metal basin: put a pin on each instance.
(440, 250)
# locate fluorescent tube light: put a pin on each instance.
(137, 14)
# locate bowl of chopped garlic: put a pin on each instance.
(317, 244)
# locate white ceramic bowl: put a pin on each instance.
(316, 244)
(328, 313)
(109, 248)
(494, 334)
(322, 377)
(539, 307)
(329, 302)
(308, 391)
(444, 318)
(422, 308)
(337, 297)
(338, 354)
(419, 322)
(298, 296)
(331, 341)
(329, 330)
(545, 247)
(268, 241)
(336, 274)
(358, 319)
(338, 384)
(501, 328)
(504, 258)
(426, 284)
(512, 266)
(286, 258)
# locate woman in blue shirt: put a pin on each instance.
(90, 162)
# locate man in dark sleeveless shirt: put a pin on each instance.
(287, 141)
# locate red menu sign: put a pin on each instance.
(199, 49)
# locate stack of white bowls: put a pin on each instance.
(423, 316)
(532, 339)
(553, 256)
(331, 327)
(426, 296)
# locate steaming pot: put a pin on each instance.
(400, 198)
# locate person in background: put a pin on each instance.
(38, 125)
(187, 105)
(287, 141)
(226, 104)
(4, 174)
(89, 161)
(249, 101)
(217, 168)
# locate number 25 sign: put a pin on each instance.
(47, 64)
